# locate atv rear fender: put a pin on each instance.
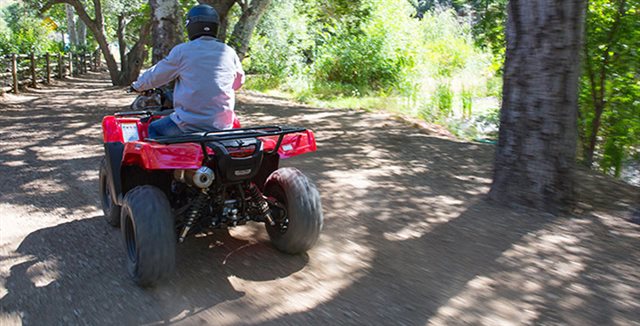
(154, 156)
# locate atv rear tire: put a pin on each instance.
(149, 235)
(110, 209)
(301, 199)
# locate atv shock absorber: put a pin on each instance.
(262, 204)
(194, 213)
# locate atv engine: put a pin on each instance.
(222, 191)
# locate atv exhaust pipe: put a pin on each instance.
(201, 178)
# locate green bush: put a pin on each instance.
(358, 61)
(444, 100)
(24, 33)
(279, 45)
(467, 102)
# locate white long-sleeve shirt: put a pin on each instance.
(207, 74)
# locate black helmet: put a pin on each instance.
(202, 20)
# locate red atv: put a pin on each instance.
(161, 191)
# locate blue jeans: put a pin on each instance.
(164, 127)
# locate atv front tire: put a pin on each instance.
(110, 209)
(149, 235)
(301, 199)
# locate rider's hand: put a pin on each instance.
(132, 89)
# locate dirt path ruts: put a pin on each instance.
(408, 238)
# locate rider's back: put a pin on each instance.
(204, 92)
(206, 72)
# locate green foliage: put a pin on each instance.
(358, 60)
(24, 32)
(489, 27)
(467, 103)
(279, 44)
(611, 81)
(444, 100)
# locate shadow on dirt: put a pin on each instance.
(90, 284)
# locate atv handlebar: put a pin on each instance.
(148, 92)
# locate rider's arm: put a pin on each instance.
(239, 80)
(162, 73)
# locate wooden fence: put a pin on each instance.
(20, 70)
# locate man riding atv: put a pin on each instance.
(206, 71)
(165, 179)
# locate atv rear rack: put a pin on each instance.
(148, 113)
(214, 136)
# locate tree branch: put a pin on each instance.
(79, 8)
(98, 10)
(47, 5)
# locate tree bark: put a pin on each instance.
(132, 62)
(71, 25)
(242, 32)
(81, 33)
(536, 153)
(167, 27)
(122, 43)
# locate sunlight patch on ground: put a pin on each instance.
(328, 272)
(438, 210)
(333, 265)
(355, 179)
(43, 273)
(14, 163)
(10, 318)
(53, 153)
(552, 266)
(38, 186)
(612, 222)
(321, 116)
(88, 176)
(9, 260)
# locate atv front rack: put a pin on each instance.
(214, 136)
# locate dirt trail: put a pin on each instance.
(408, 238)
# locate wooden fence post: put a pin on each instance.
(14, 73)
(33, 71)
(98, 62)
(60, 66)
(48, 58)
(71, 64)
(84, 62)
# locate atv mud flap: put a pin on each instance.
(113, 153)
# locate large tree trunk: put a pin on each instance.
(132, 61)
(242, 32)
(167, 27)
(82, 33)
(536, 152)
(122, 43)
(71, 25)
(222, 7)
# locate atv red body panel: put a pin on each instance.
(155, 156)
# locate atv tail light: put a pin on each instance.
(241, 151)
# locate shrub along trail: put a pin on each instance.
(408, 237)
